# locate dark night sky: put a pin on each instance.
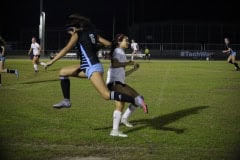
(17, 15)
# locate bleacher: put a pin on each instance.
(71, 55)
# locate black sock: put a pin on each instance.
(121, 97)
(10, 71)
(65, 84)
(236, 65)
(0, 79)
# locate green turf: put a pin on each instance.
(194, 113)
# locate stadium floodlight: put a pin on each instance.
(42, 27)
(42, 30)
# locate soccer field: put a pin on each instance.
(194, 113)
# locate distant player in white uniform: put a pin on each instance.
(116, 82)
(134, 47)
(34, 53)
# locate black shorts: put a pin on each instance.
(30, 56)
(110, 85)
(122, 88)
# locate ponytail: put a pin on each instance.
(117, 38)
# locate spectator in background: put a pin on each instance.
(135, 48)
(147, 53)
(2, 61)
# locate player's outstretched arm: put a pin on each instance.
(227, 51)
(104, 41)
(64, 51)
(135, 67)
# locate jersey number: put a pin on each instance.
(92, 37)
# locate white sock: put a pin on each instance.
(116, 119)
(128, 111)
(35, 67)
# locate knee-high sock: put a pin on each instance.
(129, 111)
(65, 85)
(35, 67)
(121, 97)
(236, 65)
(10, 70)
(116, 119)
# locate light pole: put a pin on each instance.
(42, 28)
(113, 27)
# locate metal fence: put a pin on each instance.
(157, 47)
(185, 32)
(187, 46)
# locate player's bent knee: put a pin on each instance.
(105, 96)
(63, 72)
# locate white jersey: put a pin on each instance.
(36, 48)
(117, 74)
(134, 46)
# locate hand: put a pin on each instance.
(136, 65)
(131, 63)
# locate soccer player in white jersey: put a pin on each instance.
(135, 48)
(116, 82)
(34, 53)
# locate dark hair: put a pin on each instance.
(117, 38)
(2, 41)
(75, 20)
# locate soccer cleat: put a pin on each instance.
(62, 104)
(126, 123)
(16, 73)
(140, 102)
(117, 133)
(43, 64)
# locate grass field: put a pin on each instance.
(194, 113)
